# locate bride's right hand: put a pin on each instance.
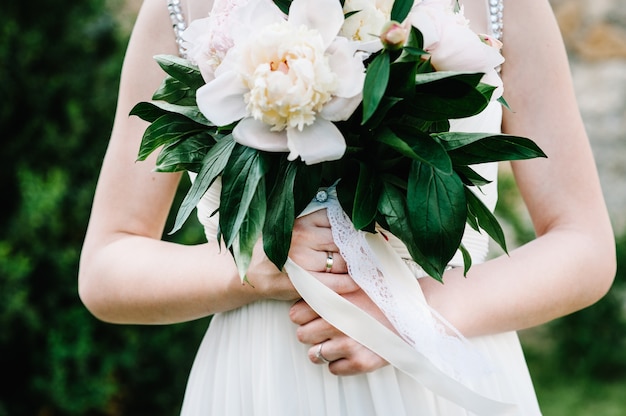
(311, 242)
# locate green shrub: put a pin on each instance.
(59, 73)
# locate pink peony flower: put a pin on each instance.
(453, 46)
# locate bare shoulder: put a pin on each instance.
(532, 40)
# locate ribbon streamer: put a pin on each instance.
(424, 351)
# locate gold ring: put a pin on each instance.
(329, 261)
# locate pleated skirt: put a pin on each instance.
(250, 363)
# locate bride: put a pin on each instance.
(269, 352)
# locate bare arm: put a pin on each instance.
(126, 273)
(571, 264)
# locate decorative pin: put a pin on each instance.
(321, 196)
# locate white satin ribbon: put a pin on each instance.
(425, 352)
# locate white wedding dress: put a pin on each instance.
(251, 363)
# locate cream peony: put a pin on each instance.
(286, 81)
(453, 46)
(367, 23)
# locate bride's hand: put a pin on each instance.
(311, 243)
(311, 246)
(345, 355)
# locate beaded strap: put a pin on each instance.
(178, 23)
(496, 11)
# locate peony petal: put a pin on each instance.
(319, 142)
(221, 100)
(254, 16)
(369, 47)
(426, 20)
(324, 15)
(256, 134)
(339, 108)
(348, 67)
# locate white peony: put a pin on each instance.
(367, 23)
(286, 81)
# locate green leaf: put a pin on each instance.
(470, 177)
(240, 180)
(281, 215)
(392, 207)
(250, 229)
(437, 210)
(486, 90)
(167, 129)
(402, 80)
(181, 69)
(413, 49)
(401, 9)
(472, 221)
(452, 140)
(386, 104)
(472, 79)
(366, 197)
(467, 259)
(485, 219)
(447, 95)
(151, 111)
(376, 79)
(283, 5)
(417, 146)
(504, 103)
(212, 166)
(147, 111)
(473, 148)
(187, 154)
(173, 91)
(308, 180)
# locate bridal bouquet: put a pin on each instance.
(281, 98)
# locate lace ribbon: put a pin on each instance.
(429, 348)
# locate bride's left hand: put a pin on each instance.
(345, 355)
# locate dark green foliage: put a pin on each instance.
(59, 67)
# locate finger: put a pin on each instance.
(318, 218)
(352, 366)
(348, 357)
(316, 331)
(315, 257)
(318, 354)
(310, 233)
(301, 313)
(338, 283)
(332, 262)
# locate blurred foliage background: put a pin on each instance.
(59, 69)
